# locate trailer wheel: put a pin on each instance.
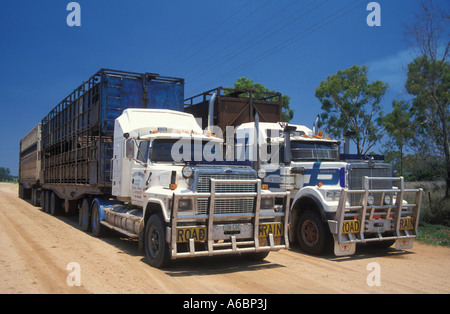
(156, 247)
(21, 191)
(33, 196)
(312, 233)
(46, 206)
(98, 230)
(42, 200)
(55, 204)
(84, 216)
(35, 200)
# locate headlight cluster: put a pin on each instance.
(184, 204)
(261, 173)
(267, 202)
(387, 200)
(333, 193)
(187, 171)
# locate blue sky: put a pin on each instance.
(287, 45)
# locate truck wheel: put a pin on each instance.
(156, 247)
(84, 216)
(98, 230)
(35, 200)
(312, 233)
(33, 196)
(55, 204)
(42, 200)
(46, 206)
(21, 191)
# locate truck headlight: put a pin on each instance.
(267, 202)
(370, 199)
(187, 172)
(184, 204)
(261, 173)
(387, 200)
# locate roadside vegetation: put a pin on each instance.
(416, 133)
(5, 175)
(434, 234)
(434, 225)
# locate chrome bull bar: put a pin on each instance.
(216, 243)
(381, 221)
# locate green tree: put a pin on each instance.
(246, 83)
(428, 81)
(398, 126)
(351, 103)
(5, 175)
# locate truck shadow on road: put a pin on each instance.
(363, 251)
(216, 265)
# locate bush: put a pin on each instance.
(435, 209)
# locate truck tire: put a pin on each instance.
(35, 199)
(55, 204)
(27, 194)
(313, 235)
(21, 191)
(33, 196)
(42, 200)
(46, 206)
(98, 230)
(84, 216)
(156, 247)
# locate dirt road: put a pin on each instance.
(36, 248)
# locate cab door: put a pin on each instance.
(139, 174)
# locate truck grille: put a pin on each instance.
(228, 205)
(204, 183)
(355, 181)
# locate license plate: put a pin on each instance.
(234, 228)
(276, 229)
(351, 226)
(196, 233)
(407, 223)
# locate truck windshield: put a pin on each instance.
(175, 150)
(314, 151)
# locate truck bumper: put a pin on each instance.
(212, 233)
(377, 222)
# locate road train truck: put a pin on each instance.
(121, 153)
(337, 200)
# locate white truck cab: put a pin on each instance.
(173, 191)
(334, 202)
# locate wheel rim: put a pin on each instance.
(310, 233)
(154, 241)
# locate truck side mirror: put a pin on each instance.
(287, 142)
(129, 147)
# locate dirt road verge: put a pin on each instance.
(36, 249)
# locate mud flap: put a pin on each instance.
(344, 249)
(404, 244)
